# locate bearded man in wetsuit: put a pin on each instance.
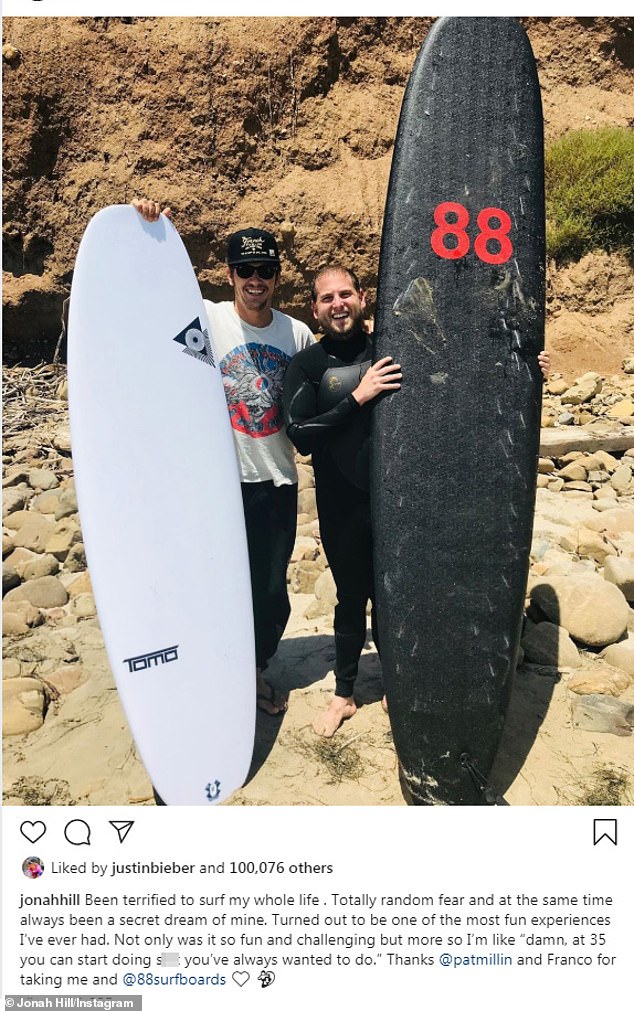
(328, 391)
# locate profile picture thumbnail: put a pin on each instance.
(33, 867)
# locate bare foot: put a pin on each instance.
(340, 709)
(267, 699)
(384, 703)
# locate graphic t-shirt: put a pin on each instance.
(252, 362)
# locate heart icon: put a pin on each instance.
(240, 978)
(33, 830)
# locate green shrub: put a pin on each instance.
(590, 193)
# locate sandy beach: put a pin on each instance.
(83, 752)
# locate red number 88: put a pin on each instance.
(485, 234)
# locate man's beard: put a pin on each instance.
(354, 331)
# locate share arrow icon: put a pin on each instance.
(122, 828)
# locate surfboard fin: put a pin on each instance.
(489, 795)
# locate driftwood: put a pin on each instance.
(587, 439)
(30, 396)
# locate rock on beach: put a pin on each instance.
(580, 594)
(593, 612)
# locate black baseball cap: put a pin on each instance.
(252, 245)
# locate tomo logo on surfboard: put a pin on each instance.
(196, 343)
(153, 659)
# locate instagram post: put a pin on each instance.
(318, 507)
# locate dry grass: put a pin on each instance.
(609, 787)
(340, 760)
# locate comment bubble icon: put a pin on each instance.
(77, 832)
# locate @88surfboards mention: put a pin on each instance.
(461, 307)
(160, 506)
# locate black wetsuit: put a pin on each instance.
(324, 419)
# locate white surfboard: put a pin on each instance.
(160, 506)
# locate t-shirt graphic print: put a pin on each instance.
(253, 376)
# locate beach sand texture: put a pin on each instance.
(66, 737)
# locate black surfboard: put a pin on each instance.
(460, 305)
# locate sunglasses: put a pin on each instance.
(264, 270)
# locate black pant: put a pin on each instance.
(346, 533)
(270, 516)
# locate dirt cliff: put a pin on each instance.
(286, 123)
